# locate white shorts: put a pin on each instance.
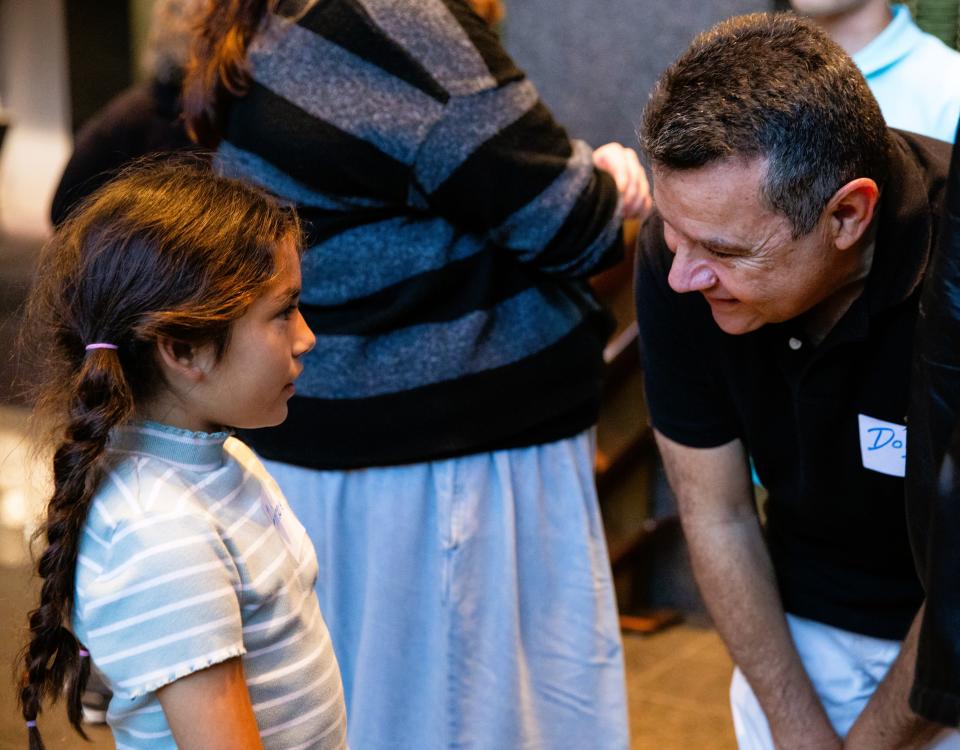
(845, 669)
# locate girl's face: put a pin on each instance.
(251, 383)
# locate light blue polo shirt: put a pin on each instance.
(914, 76)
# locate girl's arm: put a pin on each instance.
(211, 709)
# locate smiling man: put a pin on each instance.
(777, 292)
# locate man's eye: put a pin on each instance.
(719, 254)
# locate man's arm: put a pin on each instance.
(887, 723)
(735, 576)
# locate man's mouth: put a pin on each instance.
(721, 301)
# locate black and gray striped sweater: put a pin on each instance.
(449, 222)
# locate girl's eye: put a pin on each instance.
(288, 312)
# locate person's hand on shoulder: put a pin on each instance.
(624, 166)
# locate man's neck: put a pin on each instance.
(855, 29)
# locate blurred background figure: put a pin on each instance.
(933, 470)
(914, 76)
(142, 120)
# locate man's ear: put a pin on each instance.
(182, 360)
(851, 210)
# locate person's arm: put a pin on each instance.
(523, 184)
(495, 162)
(887, 723)
(735, 577)
(211, 709)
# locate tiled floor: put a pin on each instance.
(677, 683)
(676, 680)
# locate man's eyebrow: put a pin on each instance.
(714, 244)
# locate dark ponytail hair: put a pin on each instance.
(217, 67)
(164, 250)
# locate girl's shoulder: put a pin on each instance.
(242, 453)
(147, 521)
(135, 488)
(146, 517)
(245, 457)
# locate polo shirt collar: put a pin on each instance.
(892, 44)
(905, 232)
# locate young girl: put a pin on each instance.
(169, 304)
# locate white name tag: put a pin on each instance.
(883, 446)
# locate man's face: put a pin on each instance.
(815, 8)
(738, 253)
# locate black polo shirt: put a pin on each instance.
(812, 416)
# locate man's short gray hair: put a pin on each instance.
(775, 87)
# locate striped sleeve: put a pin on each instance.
(497, 163)
(164, 604)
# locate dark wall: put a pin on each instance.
(98, 54)
(595, 61)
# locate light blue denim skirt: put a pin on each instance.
(469, 600)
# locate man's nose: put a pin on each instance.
(690, 274)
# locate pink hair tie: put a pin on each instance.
(84, 653)
(31, 724)
(100, 345)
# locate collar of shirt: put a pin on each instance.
(194, 451)
(892, 44)
(905, 231)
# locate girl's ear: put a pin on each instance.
(181, 360)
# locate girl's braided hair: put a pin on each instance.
(166, 249)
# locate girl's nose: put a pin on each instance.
(305, 340)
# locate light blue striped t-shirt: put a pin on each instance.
(190, 556)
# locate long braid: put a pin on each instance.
(165, 250)
(101, 399)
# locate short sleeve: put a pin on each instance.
(164, 605)
(686, 395)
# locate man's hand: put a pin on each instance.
(735, 576)
(624, 165)
(887, 723)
